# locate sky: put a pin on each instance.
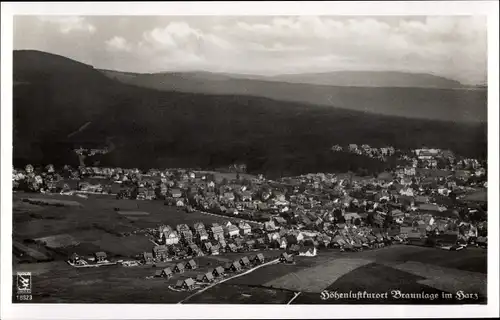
(449, 46)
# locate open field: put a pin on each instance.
(96, 225)
(57, 241)
(412, 270)
(316, 279)
(133, 213)
(237, 294)
(52, 202)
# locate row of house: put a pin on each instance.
(212, 274)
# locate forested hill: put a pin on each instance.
(60, 104)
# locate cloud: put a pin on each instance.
(69, 24)
(118, 44)
(453, 46)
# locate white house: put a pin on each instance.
(406, 192)
(312, 252)
(171, 237)
(245, 228)
(443, 191)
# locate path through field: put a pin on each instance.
(294, 297)
(230, 278)
(225, 217)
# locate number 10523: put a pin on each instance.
(24, 297)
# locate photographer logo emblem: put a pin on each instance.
(24, 282)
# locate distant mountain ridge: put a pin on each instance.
(411, 99)
(372, 79)
(391, 79)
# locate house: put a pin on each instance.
(100, 256)
(270, 226)
(218, 272)
(444, 191)
(239, 242)
(232, 231)
(260, 242)
(198, 226)
(265, 195)
(187, 236)
(217, 232)
(182, 254)
(272, 236)
(429, 207)
(245, 228)
(179, 203)
(147, 257)
(308, 252)
(202, 235)
(279, 196)
(406, 201)
(179, 268)
(351, 216)
(283, 243)
(164, 228)
(299, 236)
(229, 196)
(214, 250)
(294, 248)
(222, 244)
(246, 196)
(280, 221)
(191, 265)
(227, 266)
(175, 193)
(160, 252)
(406, 191)
(286, 258)
(232, 247)
(258, 259)
(406, 181)
(244, 262)
(206, 277)
(206, 246)
(158, 273)
(165, 273)
(182, 227)
(409, 171)
(171, 237)
(324, 239)
(421, 199)
(194, 250)
(462, 174)
(249, 245)
(235, 266)
(186, 284)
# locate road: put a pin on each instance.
(229, 217)
(294, 297)
(230, 278)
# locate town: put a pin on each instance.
(432, 198)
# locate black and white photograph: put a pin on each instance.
(270, 159)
